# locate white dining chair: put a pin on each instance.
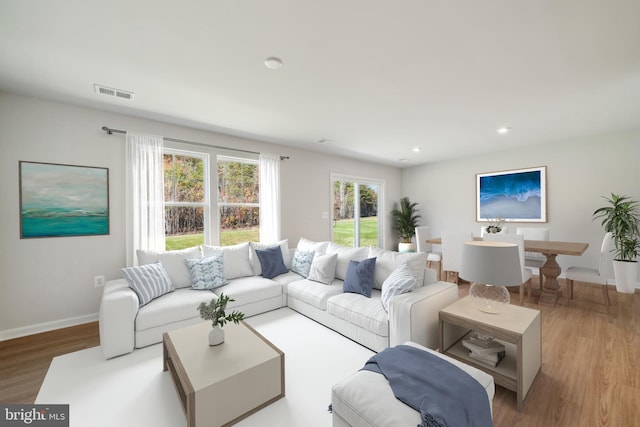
(534, 259)
(526, 272)
(423, 234)
(592, 275)
(452, 243)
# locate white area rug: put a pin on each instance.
(133, 390)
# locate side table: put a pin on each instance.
(518, 328)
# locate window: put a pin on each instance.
(356, 218)
(186, 198)
(238, 200)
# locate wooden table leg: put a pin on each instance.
(550, 287)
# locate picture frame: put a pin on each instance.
(518, 195)
(58, 200)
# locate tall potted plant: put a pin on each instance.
(621, 217)
(405, 221)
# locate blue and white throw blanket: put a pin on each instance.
(444, 394)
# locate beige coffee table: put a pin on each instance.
(220, 385)
(518, 328)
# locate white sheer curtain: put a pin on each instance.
(269, 198)
(144, 195)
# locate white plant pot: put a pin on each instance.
(626, 275)
(216, 335)
(406, 247)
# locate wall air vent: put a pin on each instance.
(104, 90)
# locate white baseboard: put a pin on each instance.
(47, 326)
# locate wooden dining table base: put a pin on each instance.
(550, 288)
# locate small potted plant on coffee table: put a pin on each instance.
(214, 311)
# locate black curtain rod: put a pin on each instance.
(111, 131)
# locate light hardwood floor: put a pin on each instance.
(590, 364)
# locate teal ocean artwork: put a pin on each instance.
(63, 200)
(511, 195)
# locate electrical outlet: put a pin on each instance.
(98, 281)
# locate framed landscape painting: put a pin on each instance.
(516, 195)
(63, 200)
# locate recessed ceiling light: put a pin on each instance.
(503, 130)
(417, 149)
(325, 141)
(273, 62)
(403, 160)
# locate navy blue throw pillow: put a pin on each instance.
(271, 262)
(359, 277)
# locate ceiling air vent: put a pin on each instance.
(103, 90)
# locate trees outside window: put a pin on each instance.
(238, 200)
(186, 200)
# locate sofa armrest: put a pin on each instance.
(414, 316)
(430, 276)
(118, 310)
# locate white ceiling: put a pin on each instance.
(374, 77)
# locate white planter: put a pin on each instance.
(406, 247)
(626, 275)
(216, 336)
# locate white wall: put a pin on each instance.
(578, 173)
(48, 283)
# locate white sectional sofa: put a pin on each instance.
(412, 316)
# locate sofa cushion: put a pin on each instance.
(255, 262)
(346, 254)
(359, 278)
(301, 263)
(174, 307)
(313, 293)
(361, 311)
(307, 245)
(246, 290)
(323, 268)
(173, 262)
(148, 281)
(387, 261)
(399, 281)
(236, 259)
(271, 262)
(207, 273)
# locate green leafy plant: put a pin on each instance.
(621, 217)
(214, 311)
(406, 219)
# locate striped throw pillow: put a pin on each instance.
(148, 281)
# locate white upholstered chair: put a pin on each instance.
(434, 259)
(452, 243)
(591, 275)
(534, 259)
(526, 272)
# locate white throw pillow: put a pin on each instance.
(173, 262)
(236, 259)
(255, 262)
(323, 268)
(346, 254)
(306, 245)
(401, 280)
(387, 261)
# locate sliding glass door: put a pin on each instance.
(356, 217)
